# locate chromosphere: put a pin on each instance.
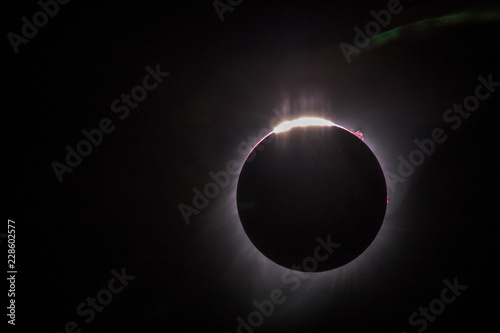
(307, 183)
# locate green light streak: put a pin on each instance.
(429, 24)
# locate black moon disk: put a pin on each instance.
(313, 197)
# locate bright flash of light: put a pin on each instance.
(302, 122)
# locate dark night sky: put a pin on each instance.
(119, 207)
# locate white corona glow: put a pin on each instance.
(302, 122)
(351, 279)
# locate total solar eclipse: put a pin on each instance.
(311, 179)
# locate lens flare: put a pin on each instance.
(429, 24)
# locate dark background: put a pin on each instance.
(119, 208)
